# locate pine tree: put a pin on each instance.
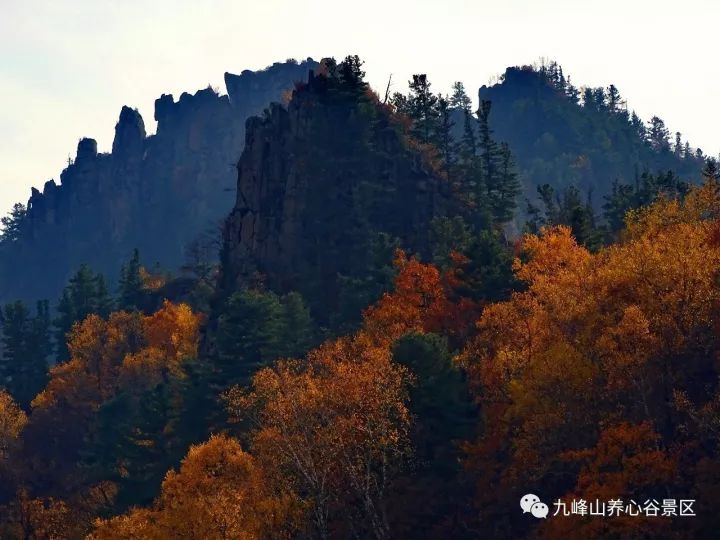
(496, 170)
(459, 98)
(638, 126)
(710, 172)
(613, 99)
(14, 319)
(508, 189)
(12, 224)
(84, 295)
(599, 98)
(351, 75)
(39, 348)
(443, 415)
(26, 348)
(658, 135)
(687, 151)
(423, 108)
(104, 301)
(298, 329)
(443, 136)
(571, 91)
(566, 209)
(249, 335)
(131, 294)
(678, 149)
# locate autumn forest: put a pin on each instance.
(411, 310)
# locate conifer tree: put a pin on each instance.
(499, 185)
(443, 415)
(508, 189)
(25, 351)
(443, 136)
(459, 98)
(638, 126)
(710, 171)
(613, 99)
(658, 135)
(678, 148)
(571, 91)
(423, 108)
(298, 329)
(130, 293)
(85, 294)
(11, 225)
(249, 335)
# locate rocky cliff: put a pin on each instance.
(156, 193)
(326, 187)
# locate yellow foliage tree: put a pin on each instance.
(334, 430)
(219, 493)
(597, 343)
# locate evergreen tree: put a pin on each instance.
(459, 98)
(508, 189)
(487, 274)
(14, 319)
(499, 184)
(249, 336)
(568, 209)
(658, 135)
(638, 126)
(298, 328)
(439, 397)
(645, 190)
(678, 149)
(468, 143)
(710, 171)
(571, 91)
(613, 99)
(687, 152)
(131, 294)
(135, 443)
(360, 290)
(25, 351)
(104, 300)
(447, 235)
(84, 295)
(599, 98)
(351, 74)
(443, 135)
(11, 225)
(423, 107)
(39, 348)
(443, 416)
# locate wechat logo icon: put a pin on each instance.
(532, 503)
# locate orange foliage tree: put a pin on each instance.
(129, 355)
(583, 372)
(334, 430)
(218, 493)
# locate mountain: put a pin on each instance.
(587, 138)
(327, 187)
(311, 177)
(156, 193)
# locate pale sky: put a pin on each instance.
(66, 68)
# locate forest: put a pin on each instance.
(415, 314)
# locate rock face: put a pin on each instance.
(323, 184)
(155, 193)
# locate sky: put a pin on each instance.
(67, 68)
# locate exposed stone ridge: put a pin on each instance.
(314, 178)
(155, 193)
